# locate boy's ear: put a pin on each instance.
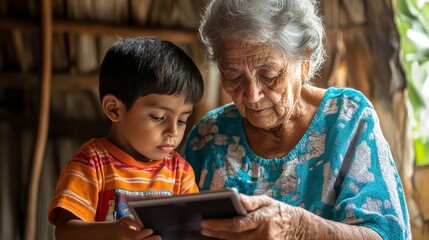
(111, 107)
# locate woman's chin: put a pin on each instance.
(261, 123)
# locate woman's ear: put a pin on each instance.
(112, 107)
(305, 68)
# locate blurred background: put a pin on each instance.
(50, 51)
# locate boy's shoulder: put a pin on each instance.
(93, 145)
(91, 151)
(176, 160)
(175, 157)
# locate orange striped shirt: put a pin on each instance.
(96, 184)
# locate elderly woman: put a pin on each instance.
(311, 163)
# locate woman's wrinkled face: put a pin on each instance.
(261, 81)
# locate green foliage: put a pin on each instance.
(412, 21)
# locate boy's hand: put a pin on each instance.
(70, 227)
(127, 228)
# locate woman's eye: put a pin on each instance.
(232, 76)
(155, 118)
(267, 78)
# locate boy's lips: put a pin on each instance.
(166, 148)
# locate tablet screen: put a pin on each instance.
(179, 217)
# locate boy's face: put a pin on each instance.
(153, 127)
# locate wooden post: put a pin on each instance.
(43, 122)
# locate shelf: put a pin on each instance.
(59, 81)
(101, 29)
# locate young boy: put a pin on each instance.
(148, 87)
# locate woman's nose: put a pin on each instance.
(253, 91)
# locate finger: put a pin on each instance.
(153, 237)
(251, 203)
(218, 224)
(233, 225)
(130, 223)
(217, 235)
(227, 235)
(144, 233)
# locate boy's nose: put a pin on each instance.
(172, 130)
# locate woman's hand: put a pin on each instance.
(272, 219)
(267, 219)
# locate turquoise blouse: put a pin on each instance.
(342, 169)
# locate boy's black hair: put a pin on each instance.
(136, 67)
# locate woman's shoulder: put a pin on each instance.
(227, 111)
(347, 105)
(220, 120)
(345, 96)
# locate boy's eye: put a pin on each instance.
(155, 118)
(181, 122)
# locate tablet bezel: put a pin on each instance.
(178, 203)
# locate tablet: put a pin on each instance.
(179, 217)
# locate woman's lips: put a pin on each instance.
(259, 112)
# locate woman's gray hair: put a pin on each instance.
(292, 25)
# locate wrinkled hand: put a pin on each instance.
(267, 219)
(127, 228)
